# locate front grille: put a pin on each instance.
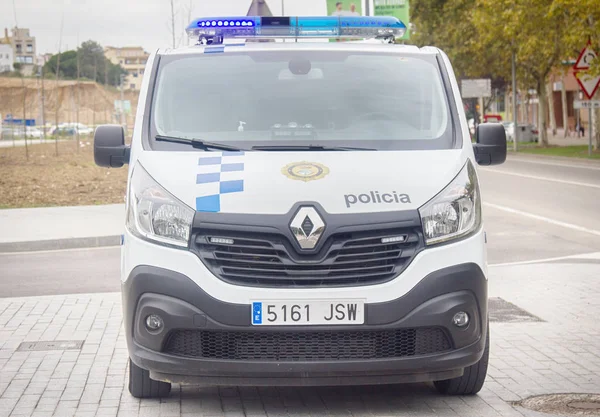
(356, 258)
(307, 346)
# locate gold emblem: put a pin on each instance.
(305, 171)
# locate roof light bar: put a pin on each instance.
(215, 29)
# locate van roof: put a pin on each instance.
(365, 46)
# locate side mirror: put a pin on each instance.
(109, 146)
(490, 148)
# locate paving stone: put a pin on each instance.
(560, 354)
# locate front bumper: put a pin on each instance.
(183, 305)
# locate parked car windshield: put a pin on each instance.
(299, 97)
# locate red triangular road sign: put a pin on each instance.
(588, 84)
(586, 56)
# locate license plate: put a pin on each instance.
(289, 313)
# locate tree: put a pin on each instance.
(93, 64)
(90, 52)
(535, 35)
(585, 18)
(67, 66)
(449, 25)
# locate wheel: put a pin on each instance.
(472, 380)
(141, 386)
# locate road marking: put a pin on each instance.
(27, 252)
(535, 177)
(593, 255)
(531, 161)
(544, 219)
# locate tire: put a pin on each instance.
(471, 381)
(141, 386)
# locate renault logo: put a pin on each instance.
(307, 227)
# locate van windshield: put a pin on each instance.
(298, 97)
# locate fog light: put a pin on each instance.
(154, 322)
(461, 319)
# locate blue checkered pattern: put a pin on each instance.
(218, 174)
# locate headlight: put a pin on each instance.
(456, 211)
(154, 214)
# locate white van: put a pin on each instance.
(303, 213)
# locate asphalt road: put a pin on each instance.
(539, 208)
(533, 209)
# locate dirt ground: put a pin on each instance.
(71, 179)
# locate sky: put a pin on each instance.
(143, 23)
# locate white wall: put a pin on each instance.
(6, 58)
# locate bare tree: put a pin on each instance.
(77, 103)
(25, 116)
(94, 94)
(173, 21)
(57, 77)
(186, 18)
(43, 105)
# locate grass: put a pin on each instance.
(575, 151)
(69, 179)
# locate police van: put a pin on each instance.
(302, 212)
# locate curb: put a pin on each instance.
(57, 244)
(573, 160)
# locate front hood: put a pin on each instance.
(272, 182)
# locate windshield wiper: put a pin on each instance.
(308, 148)
(197, 143)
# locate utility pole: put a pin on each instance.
(565, 114)
(514, 100)
(367, 7)
(590, 128)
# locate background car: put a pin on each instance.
(9, 132)
(33, 132)
(527, 132)
(70, 129)
(80, 128)
(62, 130)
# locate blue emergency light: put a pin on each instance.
(213, 30)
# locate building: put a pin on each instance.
(42, 59)
(24, 49)
(133, 60)
(6, 58)
(574, 117)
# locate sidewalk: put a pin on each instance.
(560, 140)
(559, 354)
(61, 227)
